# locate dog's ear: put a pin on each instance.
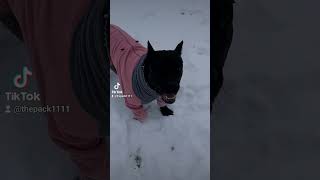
(178, 49)
(150, 49)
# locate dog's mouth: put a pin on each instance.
(169, 98)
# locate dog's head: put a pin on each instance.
(163, 71)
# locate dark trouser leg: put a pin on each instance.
(89, 154)
(223, 32)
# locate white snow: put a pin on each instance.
(175, 147)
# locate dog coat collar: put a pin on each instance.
(140, 85)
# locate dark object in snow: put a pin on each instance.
(165, 111)
(172, 148)
(222, 38)
(138, 161)
(136, 158)
(182, 13)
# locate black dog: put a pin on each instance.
(145, 74)
(163, 71)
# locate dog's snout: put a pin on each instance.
(169, 98)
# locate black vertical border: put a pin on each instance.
(213, 16)
(106, 131)
(107, 30)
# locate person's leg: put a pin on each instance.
(89, 154)
(75, 132)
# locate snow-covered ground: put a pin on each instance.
(166, 148)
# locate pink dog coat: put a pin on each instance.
(126, 53)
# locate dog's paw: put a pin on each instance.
(165, 111)
(140, 120)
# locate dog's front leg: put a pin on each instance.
(165, 111)
(140, 113)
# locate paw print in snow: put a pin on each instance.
(172, 148)
(202, 51)
(137, 159)
(189, 12)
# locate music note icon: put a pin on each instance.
(21, 80)
(117, 86)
